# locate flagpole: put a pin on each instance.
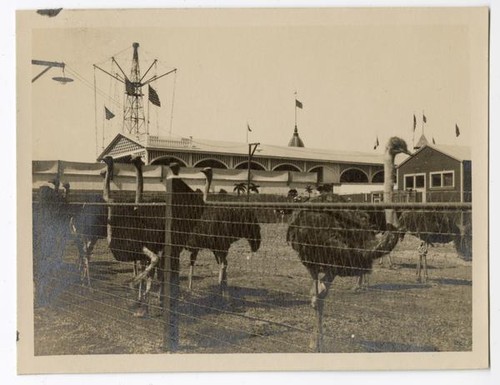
(95, 118)
(414, 127)
(423, 123)
(147, 123)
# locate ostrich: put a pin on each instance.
(216, 230)
(138, 233)
(50, 233)
(432, 228)
(87, 225)
(341, 243)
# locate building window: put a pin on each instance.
(413, 181)
(442, 179)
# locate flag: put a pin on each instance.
(153, 96)
(433, 141)
(457, 131)
(424, 118)
(248, 127)
(376, 144)
(298, 104)
(414, 122)
(129, 87)
(109, 115)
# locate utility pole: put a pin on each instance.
(251, 150)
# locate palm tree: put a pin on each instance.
(309, 190)
(254, 188)
(240, 188)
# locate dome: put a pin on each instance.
(296, 141)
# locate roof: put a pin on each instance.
(421, 142)
(190, 144)
(459, 153)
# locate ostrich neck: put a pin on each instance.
(139, 188)
(388, 178)
(390, 214)
(206, 189)
(106, 187)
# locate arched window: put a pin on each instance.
(167, 159)
(253, 166)
(378, 177)
(214, 163)
(318, 170)
(353, 175)
(286, 167)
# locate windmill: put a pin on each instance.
(134, 119)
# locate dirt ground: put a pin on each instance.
(269, 307)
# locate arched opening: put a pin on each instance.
(319, 171)
(378, 177)
(286, 167)
(214, 163)
(167, 159)
(353, 175)
(253, 166)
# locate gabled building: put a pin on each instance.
(437, 173)
(353, 171)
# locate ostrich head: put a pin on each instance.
(397, 146)
(175, 167)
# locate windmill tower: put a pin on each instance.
(134, 118)
(134, 121)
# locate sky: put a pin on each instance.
(357, 83)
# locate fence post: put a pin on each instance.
(170, 277)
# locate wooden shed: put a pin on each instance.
(436, 173)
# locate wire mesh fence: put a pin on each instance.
(234, 277)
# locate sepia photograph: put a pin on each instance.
(252, 189)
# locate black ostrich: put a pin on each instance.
(216, 230)
(137, 233)
(339, 242)
(88, 225)
(436, 228)
(50, 234)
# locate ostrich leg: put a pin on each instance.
(194, 255)
(221, 256)
(319, 293)
(147, 276)
(422, 261)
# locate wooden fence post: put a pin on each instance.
(170, 278)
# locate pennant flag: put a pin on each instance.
(298, 104)
(248, 127)
(457, 131)
(424, 118)
(153, 96)
(109, 115)
(129, 87)
(433, 141)
(414, 122)
(376, 144)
